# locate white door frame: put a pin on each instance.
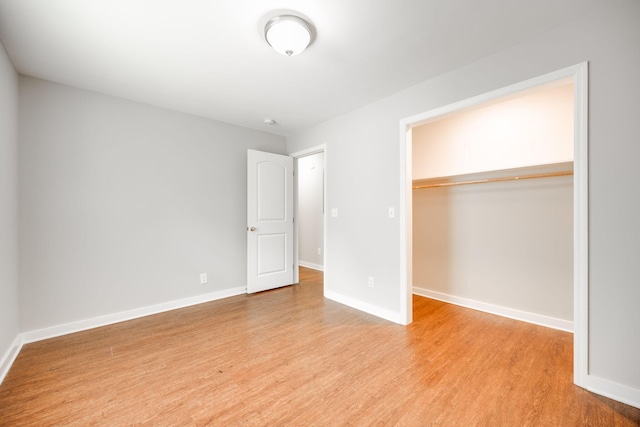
(579, 74)
(298, 154)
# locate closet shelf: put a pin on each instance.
(518, 174)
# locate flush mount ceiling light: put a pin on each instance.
(288, 34)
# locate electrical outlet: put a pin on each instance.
(371, 282)
(203, 278)
(334, 213)
(319, 251)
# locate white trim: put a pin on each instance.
(10, 356)
(511, 313)
(311, 265)
(579, 74)
(109, 319)
(516, 88)
(296, 217)
(406, 223)
(581, 224)
(374, 310)
(309, 151)
(615, 391)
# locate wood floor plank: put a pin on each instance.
(291, 357)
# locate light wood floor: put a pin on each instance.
(290, 357)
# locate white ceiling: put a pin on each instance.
(209, 57)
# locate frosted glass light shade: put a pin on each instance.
(288, 34)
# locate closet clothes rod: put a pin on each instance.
(502, 179)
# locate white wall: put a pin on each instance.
(532, 129)
(8, 206)
(363, 177)
(123, 205)
(508, 244)
(310, 211)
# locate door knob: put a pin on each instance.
(252, 229)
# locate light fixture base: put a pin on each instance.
(288, 34)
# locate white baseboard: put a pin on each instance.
(363, 306)
(96, 322)
(615, 391)
(619, 392)
(525, 316)
(10, 357)
(311, 265)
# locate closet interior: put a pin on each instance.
(493, 206)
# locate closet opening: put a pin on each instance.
(495, 205)
(492, 207)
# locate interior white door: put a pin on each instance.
(270, 260)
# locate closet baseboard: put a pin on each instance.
(525, 316)
(615, 391)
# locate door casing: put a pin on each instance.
(579, 74)
(296, 155)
